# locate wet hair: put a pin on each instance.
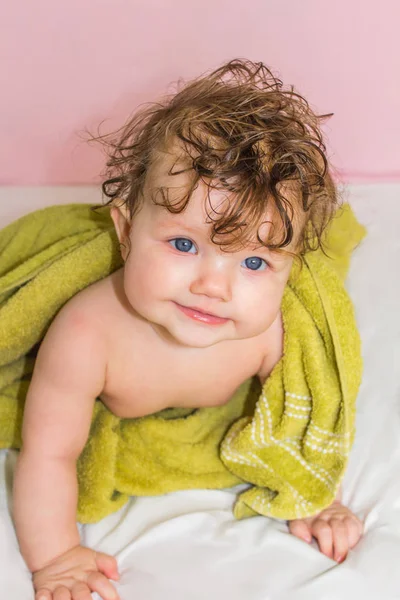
(236, 129)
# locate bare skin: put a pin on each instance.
(89, 352)
(336, 529)
(109, 341)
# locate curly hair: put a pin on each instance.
(239, 130)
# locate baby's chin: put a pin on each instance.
(199, 339)
(202, 336)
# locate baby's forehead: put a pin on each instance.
(199, 223)
(210, 202)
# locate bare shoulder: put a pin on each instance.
(86, 312)
(75, 340)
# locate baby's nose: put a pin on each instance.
(213, 282)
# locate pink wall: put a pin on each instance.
(65, 66)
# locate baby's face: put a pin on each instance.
(176, 278)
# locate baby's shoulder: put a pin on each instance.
(84, 314)
(74, 345)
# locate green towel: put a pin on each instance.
(289, 441)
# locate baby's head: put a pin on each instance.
(239, 130)
(240, 157)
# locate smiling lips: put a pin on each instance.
(198, 315)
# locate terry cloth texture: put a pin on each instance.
(289, 441)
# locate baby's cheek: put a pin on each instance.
(259, 309)
(256, 321)
(150, 281)
(144, 274)
(137, 285)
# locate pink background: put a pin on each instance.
(67, 66)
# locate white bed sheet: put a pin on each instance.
(187, 545)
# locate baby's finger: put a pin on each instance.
(340, 539)
(99, 583)
(81, 591)
(301, 530)
(322, 531)
(108, 565)
(61, 593)
(354, 529)
(43, 594)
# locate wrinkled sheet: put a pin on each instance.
(187, 545)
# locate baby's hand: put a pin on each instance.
(336, 530)
(75, 574)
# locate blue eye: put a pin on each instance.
(183, 245)
(254, 263)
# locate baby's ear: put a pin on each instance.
(121, 219)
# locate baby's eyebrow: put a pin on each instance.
(178, 224)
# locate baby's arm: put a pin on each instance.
(69, 374)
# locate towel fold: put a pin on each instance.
(289, 440)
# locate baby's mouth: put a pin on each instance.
(201, 316)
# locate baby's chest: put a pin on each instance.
(149, 384)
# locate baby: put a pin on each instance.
(213, 195)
